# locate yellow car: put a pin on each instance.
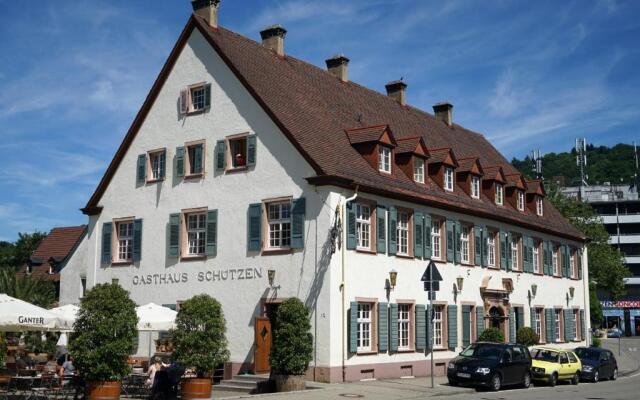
(552, 365)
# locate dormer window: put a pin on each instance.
(475, 187)
(384, 159)
(418, 170)
(448, 179)
(499, 194)
(539, 206)
(520, 200)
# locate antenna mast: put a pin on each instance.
(536, 164)
(581, 161)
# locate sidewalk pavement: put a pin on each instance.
(405, 388)
(629, 359)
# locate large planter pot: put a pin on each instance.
(103, 390)
(195, 388)
(289, 383)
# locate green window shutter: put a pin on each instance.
(207, 95)
(450, 241)
(220, 155)
(427, 237)
(485, 246)
(549, 325)
(466, 326)
(381, 229)
(211, 242)
(383, 327)
(519, 318)
(512, 326)
(479, 321)
(174, 235)
(532, 319)
(477, 245)
(526, 255)
(582, 325)
(252, 146)
(393, 232)
(418, 234)
(452, 324)
(457, 232)
(579, 255)
(180, 161)
(197, 159)
(137, 239)
(548, 268)
(298, 207)
(351, 225)
(568, 325)
(393, 325)
(509, 240)
(353, 327)
(141, 174)
(106, 242)
(254, 238)
(429, 327)
(503, 251)
(421, 327)
(162, 161)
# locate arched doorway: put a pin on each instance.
(497, 318)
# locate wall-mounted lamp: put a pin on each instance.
(271, 275)
(572, 291)
(393, 277)
(534, 289)
(459, 282)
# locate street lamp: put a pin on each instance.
(271, 275)
(393, 276)
(534, 289)
(459, 282)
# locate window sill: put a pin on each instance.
(366, 251)
(406, 351)
(441, 349)
(197, 257)
(194, 176)
(275, 252)
(150, 181)
(439, 261)
(468, 265)
(407, 256)
(196, 112)
(367, 353)
(121, 263)
(235, 169)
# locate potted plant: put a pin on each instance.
(104, 336)
(199, 342)
(527, 336)
(292, 348)
(491, 335)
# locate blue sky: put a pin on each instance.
(526, 74)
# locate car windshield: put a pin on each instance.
(545, 355)
(587, 354)
(482, 351)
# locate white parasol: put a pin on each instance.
(18, 316)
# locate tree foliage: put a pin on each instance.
(199, 338)
(606, 264)
(32, 290)
(527, 336)
(104, 333)
(595, 307)
(492, 335)
(15, 255)
(292, 347)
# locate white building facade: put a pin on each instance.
(216, 190)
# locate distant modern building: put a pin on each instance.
(619, 207)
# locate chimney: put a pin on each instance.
(444, 112)
(338, 65)
(273, 38)
(397, 90)
(207, 9)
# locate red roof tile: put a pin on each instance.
(366, 134)
(57, 246)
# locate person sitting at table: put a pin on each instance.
(21, 363)
(51, 366)
(156, 366)
(67, 367)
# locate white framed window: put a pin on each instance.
(448, 179)
(465, 257)
(156, 163)
(363, 226)
(475, 187)
(576, 320)
(125, 240)
(491, 249)
(499, 194)
(438, 326)
(436, 239)
(196, 233)
(558, 322)
(404, 326)
(520, 200)
(197, 98)
(403, 233)
(238, 151)
(536, 257)
(384, 159)
(364, 333)
(539, 206)
(538, 322)
(572, 263)
(555, 261)
(195, 158)
(418, 170)
(279, 221)
(514, 254)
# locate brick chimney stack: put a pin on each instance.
(338, 65)
(444, 112)
(398, 91)
(207, 9)
(273, 38)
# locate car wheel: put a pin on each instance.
(526, 381)
(553, 379)
(496, 382)
(615, 374)
(576, 378)
(596, 377)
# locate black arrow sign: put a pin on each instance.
(431, 273)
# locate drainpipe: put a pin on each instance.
(343, 211)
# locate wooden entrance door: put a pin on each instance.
(263, 345)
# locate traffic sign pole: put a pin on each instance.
(431, 286)
(430, 313)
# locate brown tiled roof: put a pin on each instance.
(409, 145)
(535, 186)
(57, 246)
(313, 108)
(366, 134)
(465, 164)
(493, 173)
(515, 180)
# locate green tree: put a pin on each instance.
(32, 290)
(606, 264)
(292, 347)
(104, 333)
(15, 255)
(199, 339)
(595, 307)
(493, 335)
